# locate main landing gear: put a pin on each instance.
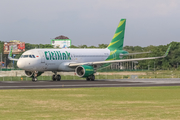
(56, 77)
(90, 78)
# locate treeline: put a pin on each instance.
(29, 46)
(172, 61)
(85, 46)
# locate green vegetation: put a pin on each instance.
(29, 46)
(85, 46)
(91, 103)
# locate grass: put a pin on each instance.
(91, 103)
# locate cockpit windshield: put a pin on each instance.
(28, 56)
(25, 56)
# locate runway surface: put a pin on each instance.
(83, 83)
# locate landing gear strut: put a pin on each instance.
(56, 77)
(90, 78)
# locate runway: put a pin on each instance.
(83, 83)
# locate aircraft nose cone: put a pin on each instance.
(20, 64)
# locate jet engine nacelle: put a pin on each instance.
(31, 74)
(84, 71)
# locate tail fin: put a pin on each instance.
(118, 39)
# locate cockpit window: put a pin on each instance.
(25, 56)
(28, 56)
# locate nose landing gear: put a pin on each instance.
(34, 78)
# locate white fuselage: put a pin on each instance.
(59, 59)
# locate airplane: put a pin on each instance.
(84, 62)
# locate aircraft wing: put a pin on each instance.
(10, 55)
(115, 61)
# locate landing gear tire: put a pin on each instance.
(34, 79)
(58, 77)
(53, 78)
(92, 78)
(88, 79)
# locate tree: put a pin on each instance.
(73, 46)
(103, 45)
(82, 46)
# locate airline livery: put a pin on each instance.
(83, 61)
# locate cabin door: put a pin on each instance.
(42, 56)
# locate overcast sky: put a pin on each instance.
(90, 22)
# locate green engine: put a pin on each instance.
(84, 71)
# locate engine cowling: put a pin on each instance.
(84, 71)
(31, 74)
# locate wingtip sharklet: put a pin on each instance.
(167, 51)
(10, 55)
(10, 52)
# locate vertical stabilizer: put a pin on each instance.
(118, 38)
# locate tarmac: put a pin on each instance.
(83, 83)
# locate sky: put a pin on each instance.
(90, 22)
